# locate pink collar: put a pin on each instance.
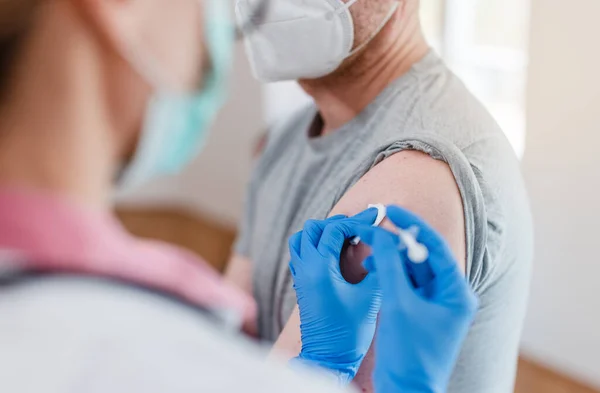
(52, 233)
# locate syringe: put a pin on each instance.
(417, 252)
(419, 271)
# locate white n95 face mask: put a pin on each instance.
(301, 39)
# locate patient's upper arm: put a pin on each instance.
(412, 180)
(419, 183)
(239, 273)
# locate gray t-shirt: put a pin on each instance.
(429, 110)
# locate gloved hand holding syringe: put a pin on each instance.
(338, 318)
(417, 253)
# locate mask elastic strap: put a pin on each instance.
(329, 15)
(148, 69)
(387, 18)
(347, 5)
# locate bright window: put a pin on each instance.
(485, 43)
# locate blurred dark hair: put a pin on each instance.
(15, 18)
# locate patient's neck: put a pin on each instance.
(344, 94)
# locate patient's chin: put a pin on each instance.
(351, 262)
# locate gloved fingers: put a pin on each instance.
(389, 265)
(441, 259)
(336, 232)
(369, 264)
(294, 245)
(295, 241)
(311, 233)
(334, 236)
(459, 297)
(313, 229)
(454, 288)
(371, 284)
(367, 234)
(292, 267)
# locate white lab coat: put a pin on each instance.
(63, 335)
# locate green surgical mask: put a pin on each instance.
(177, 124)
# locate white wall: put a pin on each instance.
(282, 99)
(562, 168)
(214, 184)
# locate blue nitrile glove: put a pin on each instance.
(337, 319)
(421, 330)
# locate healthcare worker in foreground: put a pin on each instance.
(97, 90)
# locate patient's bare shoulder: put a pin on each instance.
(417, 182)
